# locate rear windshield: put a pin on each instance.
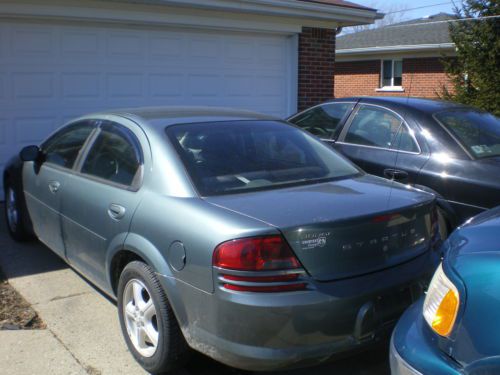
(478, 132)
(238, 156)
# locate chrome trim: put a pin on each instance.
(349, 121)
(398, 365)
(316, 106)
(261, 283)
(260, 273)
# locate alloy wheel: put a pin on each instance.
(141, 321)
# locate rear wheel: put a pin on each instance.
(15, 213)
(148, 324)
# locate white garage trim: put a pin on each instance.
(279, 15)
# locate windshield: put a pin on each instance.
(478, 132)
(237, 156)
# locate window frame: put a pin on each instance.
(345, 130)
(340, 125)
(136, 144)
(392, 87)
(81, 152)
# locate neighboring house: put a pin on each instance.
(62, 59)
(399, 59)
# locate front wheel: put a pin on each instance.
(15, 213)
(148, 324)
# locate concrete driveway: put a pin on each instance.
(83, 333)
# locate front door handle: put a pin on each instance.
(396, 174)
(115, 211)
(54, 186)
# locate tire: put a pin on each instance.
(139, 291)
(16, 215)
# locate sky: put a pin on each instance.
(396, 5)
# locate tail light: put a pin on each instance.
(258, 264)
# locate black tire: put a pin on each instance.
(172, 350)
(16, 214)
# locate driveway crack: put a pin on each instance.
(88, 369)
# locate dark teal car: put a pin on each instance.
(456, 328)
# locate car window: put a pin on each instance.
(477, 131)
(322, 121)
(115, 156)
(230, 157)
(63, 147)
(373, 126)
(406, 140)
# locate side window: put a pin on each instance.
(63, 147)
(406, 141)
(373, 126)
(115, 156)
(322, 121)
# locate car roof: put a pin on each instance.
(421, 104)
(169, 115)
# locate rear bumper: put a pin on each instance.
(260, 332)
(414, 350)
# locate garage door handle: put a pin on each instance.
(54, 186)
(115, 211)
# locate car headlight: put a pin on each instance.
(441, 303)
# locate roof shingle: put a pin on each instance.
(429, 30)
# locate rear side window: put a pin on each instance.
(322, 121)
(62, 148)
(115, 156)
(374, 126)
(406, 140)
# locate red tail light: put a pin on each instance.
(270, 254)
(255, 254)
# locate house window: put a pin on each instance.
(392, 73)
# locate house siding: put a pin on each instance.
(316, 66)
(422, 77)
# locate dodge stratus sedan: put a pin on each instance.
(227, 232)
(455, 330)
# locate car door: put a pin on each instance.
(45, 181)
(411, 156)
(101, 197)
(325, 120)
(368, 139)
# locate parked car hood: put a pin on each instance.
(473, 252)
(343, 228)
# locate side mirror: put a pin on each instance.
(30, 153)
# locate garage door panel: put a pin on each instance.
(51, 73)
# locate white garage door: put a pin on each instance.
(50, 73)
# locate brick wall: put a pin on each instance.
(422, 77)
(316, 66)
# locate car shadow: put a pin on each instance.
(13, 261)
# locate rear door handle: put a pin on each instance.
(115, 211)
(54, 186)
(395, 174)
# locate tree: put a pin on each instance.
(475, 72)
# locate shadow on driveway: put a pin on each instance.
(32, 258)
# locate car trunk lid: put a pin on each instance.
(343, 228)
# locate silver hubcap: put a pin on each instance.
(139, 312)
(12, 212)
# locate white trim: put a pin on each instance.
(259, 15)
(293, 75)
(390, 89)
(400, 48)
